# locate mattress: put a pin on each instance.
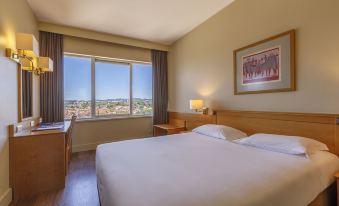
(192, 169)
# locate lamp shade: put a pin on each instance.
(26, 64)
(28, 44)
(45, 64)
(196, 104)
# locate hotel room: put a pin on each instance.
(169, 103)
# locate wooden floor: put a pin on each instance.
(81, 186)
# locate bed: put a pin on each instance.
(193, 169)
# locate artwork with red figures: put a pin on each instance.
(262, 67)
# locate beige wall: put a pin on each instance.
(15, 16)
(201, 65)
(105, 49)
(88, 134)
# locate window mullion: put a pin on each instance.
(130, 89)
(93, 87)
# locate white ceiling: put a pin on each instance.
(162, 21)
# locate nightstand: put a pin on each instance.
(186, 131)
(167, 129)
(175, 126)
(337, 179)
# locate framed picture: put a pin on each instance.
(266, 66)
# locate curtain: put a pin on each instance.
(52, 83)
(160, 87)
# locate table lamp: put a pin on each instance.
(198, 106)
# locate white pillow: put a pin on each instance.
(220, 131)
(285, 144)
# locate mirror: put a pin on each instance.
(25, 97)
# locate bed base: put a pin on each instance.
(327, 198)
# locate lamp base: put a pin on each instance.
(202, 111)
(205, 110)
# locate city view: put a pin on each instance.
(82, 108)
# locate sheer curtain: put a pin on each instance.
(52, 83)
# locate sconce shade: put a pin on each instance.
(45, 64)
(196, 104)
(28, 44)
(26, 64)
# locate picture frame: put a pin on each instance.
(266, 66)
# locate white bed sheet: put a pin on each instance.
(192, 169)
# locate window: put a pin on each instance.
(77, 86)
(112, 88)
(142, 89)
(98, 88)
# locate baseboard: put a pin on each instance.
(6, 197)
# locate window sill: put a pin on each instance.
(96, 119)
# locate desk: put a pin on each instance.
(37, 160)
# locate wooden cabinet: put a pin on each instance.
(180, 122)
(37, 160)
(186, 131)
(175, 126)
(166, 129)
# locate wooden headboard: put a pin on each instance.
(321, 127)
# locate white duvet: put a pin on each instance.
(194, 170)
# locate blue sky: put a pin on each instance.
(112, 80)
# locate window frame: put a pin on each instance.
(95, 59)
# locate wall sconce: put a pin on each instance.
(27, 54)
(198, 106)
